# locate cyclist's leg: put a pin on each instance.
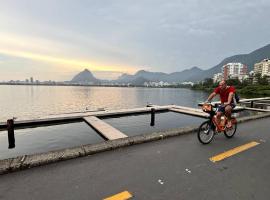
(228, 113)
(219, 113)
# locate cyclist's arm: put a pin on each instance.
(211, 96)
(229, 99)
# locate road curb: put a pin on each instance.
(254, 117)
(30, 161)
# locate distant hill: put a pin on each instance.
(152, 76)
(139, 81)
(125, 78)
(247, 59)
(147, 76)
(85, 77)
(185, 75)
(195, 73)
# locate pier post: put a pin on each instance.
(11, 137)
(152, 117)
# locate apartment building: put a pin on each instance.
(235, 70)
(262, 68)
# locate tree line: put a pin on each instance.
(260, 87)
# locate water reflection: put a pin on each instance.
(141, 124)
(34, 101)
(43, 139)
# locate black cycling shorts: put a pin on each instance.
(221, 108)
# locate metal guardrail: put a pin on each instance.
(11, 124)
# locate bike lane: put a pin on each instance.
(175, 168)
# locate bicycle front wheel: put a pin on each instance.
(229, 133)
(206, 132)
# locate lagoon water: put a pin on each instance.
(26, 102)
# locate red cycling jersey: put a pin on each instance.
(224, 94)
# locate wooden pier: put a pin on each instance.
(104, 129)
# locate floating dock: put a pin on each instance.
(104, 129)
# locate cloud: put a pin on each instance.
(162, 35)
(62, 61)
(53, 51)
(200, 32)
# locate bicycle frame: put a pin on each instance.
(217, 126)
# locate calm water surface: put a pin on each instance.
(164, 121)
(26, 102)
(49, 138)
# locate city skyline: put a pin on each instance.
(55, 40)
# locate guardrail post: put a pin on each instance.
(11, 137)
(152, 117)
(251, 104)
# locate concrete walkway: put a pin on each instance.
(175, 168)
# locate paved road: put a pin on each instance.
(172, 169)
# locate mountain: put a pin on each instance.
(139, 81)
(85, 77)
(193, 74)
(247, 59)
(151, 76)
(125, 78)
(159, 76)
(146, 75)
(185, 75)
(197, 74)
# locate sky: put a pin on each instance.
(54, 40)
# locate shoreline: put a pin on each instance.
(248, 91)
(87, 85)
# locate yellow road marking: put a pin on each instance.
(233, 151)
(120, 196)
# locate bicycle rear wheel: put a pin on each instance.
(206, 132)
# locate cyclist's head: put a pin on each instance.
(222, 84)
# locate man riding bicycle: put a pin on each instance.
(226, 97)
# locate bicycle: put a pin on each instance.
(209, 128)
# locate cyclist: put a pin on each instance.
(227, 104)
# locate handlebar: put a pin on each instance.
(214, 104)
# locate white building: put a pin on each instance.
(262, 68)
(217, 77)
(156, 84)
(234, 70)
(187, 83)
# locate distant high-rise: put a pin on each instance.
(234, 70)
(262, 68)
(217, 77)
